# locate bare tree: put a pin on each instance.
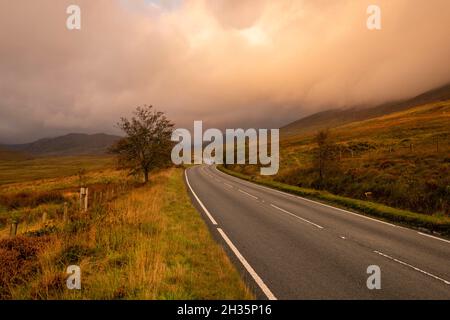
(325, 153)
(147, 144)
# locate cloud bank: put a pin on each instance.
(246, 63)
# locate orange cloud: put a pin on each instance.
(229, 63)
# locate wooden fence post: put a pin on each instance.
(86, 200)
(65, 213)
(13, 228)
(82, 191)
(44, 217)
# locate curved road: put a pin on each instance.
(293, 248)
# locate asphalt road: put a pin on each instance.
(293, 248)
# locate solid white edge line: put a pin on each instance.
(411, 266)
(248, 194)
(430, 236)
(198, 200)
(248, 267)
(295, 216)
(305, 199)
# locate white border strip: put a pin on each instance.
(248, 267)
(233, 248)
(430, 236)
(415, 268)
(198, 200)
(305, 199)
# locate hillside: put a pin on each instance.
(336, 117)
(401, 159)
(68, 145)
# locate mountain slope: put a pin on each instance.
(68, 145)
(336, 117)
(401, 159)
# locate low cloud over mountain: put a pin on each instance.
(228, 63)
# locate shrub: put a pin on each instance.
(74, 253)
(18, 258)
(25, 199)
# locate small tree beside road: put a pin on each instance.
(325, 154)
(147, 144)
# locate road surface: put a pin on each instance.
(293, 248)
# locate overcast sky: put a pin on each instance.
(230, 63)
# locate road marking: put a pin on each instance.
(233, 248)
(342, 237)
(248, 267)
(305, 199)
(415, 268)
(295, 216)
(250, 195)
(198, 200)
(428, 235)
(228, 185)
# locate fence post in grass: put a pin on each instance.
(86, 200)
(13, 229)
(44, 217)
(65, 217)
(82, 191)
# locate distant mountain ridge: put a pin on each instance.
(336, 117)
(67, 145)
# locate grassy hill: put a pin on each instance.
(336, 117)
(67, 145)
(400, 159)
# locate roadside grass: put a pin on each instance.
(400, 160)
(135, 242)
(434, 223)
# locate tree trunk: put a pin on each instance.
(145, 176)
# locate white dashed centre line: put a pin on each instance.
(248, 194)
(295, 216)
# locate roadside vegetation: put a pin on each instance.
(396, 166)
(14, 170)
(138, 237)
(136, 241)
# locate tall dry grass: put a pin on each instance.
(141, 242)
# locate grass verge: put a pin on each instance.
(145, 242)
(433, 223)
